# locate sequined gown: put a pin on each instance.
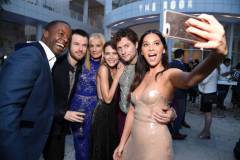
(85, 96)
(148, 140)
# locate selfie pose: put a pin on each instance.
(144, 136)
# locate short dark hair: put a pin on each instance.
(53, 23)
(125, 32)
(196, 61)
(227, 60)
(80, 32)
(178, 53)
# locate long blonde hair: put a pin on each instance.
(93, 36)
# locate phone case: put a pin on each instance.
(174, 27)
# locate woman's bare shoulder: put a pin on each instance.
(103, 67)
(102, 70)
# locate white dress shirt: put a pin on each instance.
(209, 84)
(50, 55)
(224, 69)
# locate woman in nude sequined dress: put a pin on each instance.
(144, 136)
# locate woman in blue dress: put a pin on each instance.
(85, 96)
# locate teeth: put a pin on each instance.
(60, 44)
(152, 57)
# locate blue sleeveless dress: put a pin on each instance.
(84, 96)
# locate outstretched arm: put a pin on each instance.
(211, 30)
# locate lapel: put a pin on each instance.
(43, 53)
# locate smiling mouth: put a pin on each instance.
(60, 45)
(111, 61)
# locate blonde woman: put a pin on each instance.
(85, 96)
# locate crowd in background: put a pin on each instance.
(107, 94)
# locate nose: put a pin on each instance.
(123, 51)
(80, 48)
(94, 49)
(111, 56)
(65, 39)
(150, 47)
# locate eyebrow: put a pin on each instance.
(153, 41)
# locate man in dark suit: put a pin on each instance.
(180, 97)
(65, 73)
(26, 95)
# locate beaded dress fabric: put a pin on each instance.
(149, 140)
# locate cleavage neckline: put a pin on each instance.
(141, 101)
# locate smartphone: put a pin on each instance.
(174, 27)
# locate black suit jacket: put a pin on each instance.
(61, 90)
(179, 93)
(26, 104)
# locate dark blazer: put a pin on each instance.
(179, 93)
(26, 104)
(178, 64)
(61, 90)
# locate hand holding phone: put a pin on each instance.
(204, 31)
(210, 29)
(174, 26)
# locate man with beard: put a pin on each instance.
(65, 73)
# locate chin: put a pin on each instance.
(96, 57)
(58, 53)
(152, 65)
(127, 59)
(111, 66)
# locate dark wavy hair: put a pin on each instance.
(125, 32)
(142, 66)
